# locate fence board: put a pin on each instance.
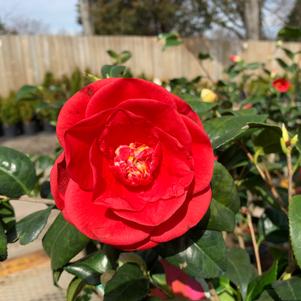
(26, 59)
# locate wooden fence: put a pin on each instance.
(26, 59)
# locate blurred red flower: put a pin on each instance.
(181, 284)
(282, 85)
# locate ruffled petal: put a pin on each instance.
(173, 178)
(98, 222)
(160, 115)
(184, 219)
(79, 140)
(127, 88)
(202, 153)
(74, 109)
(184, 108)
(59, 180)
(155, 213)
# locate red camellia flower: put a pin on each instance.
(181, 285)
(282, 85)
(136, 166)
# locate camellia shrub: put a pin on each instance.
(180, 190)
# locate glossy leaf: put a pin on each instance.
(295, 226)
(90, 268)
(225, 203)
(30, 227)
(288, 290)
(197, 105)
(239, 269)
(74, 288)
(199, 256)
(128, 281)
(225, 129)
(269, 140)
(258, 284)
(62, 242)
(3, 243)
(17, 173)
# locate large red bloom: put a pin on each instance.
(282, 85)
(136, 166)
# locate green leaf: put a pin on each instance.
(269, 140)
(108, 71)
(28, 92)
(197, 105)
(199, 256)
(7, 217)
(225, 129)
(62, 242)
(128, 282)
(124, 56)
(3, 243)
(294, 217)
(289, 53)
(290, 33)
(288, 290)
(17, 173)
(30, 227)
(220, 218)
(225, 203)
(74, 288)
(112, 54)
(282, 63)
(204, 56)
(239, 269)
(258, 284)
(90, 268)
(265, 296)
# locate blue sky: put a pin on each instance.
(59, 15)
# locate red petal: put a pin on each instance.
(155, 213)
(202, 153)
(160, 115)
(59, 180)
(184, 219)
(174, 177)
(127, 88)
(181, 284)
(78, 140)
(184, 108)
(96, 221)
(75, 108)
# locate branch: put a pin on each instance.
(254, 242)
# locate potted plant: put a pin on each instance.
(26, 109)
(10, 116)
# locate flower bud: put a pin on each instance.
(235, 58)
(285, 134)
(208, 95)
(294, 140)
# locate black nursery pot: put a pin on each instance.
(30, 128)
(10, 130)
(48, 128)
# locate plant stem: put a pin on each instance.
(213, 293)
(266, 176)
(239, 234)
(254, 242)
(289, 176)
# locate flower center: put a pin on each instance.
(136, 163)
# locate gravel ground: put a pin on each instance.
(34, 145)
